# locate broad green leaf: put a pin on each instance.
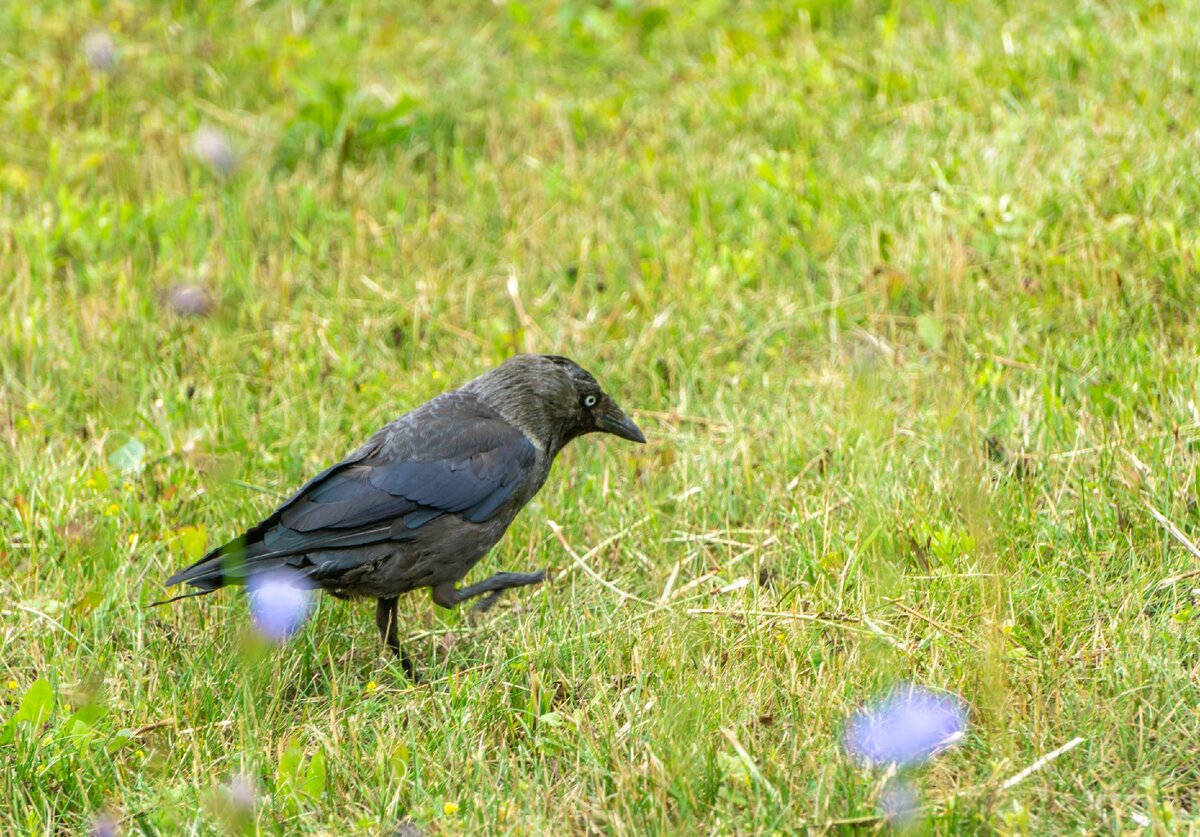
(129, 457)
(88, 602)
(399, 758)
(288, 773)
(34, 710)
(37, 703)
(194, 540)
(314, 777)
(80, 727)
(118, 740)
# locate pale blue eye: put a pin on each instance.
(589, 401)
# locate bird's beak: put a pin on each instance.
(613, 421)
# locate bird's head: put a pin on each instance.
(553, 400)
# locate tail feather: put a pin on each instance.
(190, 595)
(220, 567)
(231, 563)
(248, 554)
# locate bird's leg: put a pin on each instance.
(446, 595)
(385, 620)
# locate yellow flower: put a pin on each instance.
(12, 684)
(450, 809)
(112, 509)
(371, 687)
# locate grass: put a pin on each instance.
(905, 293)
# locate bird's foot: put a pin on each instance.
(447, 596)
(486, 603)
(406, 663)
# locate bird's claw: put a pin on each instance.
(520, 580)
(486, 603)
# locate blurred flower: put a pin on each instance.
(242, 793)
(906, 727)
(450, 809)
(213, 148)
(236, 803)
(280, 602)
(103, 825)
(189, 300)
(100, 50)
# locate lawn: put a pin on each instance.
(904, 295)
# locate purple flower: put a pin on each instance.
(906, 727)
(280, 602)
(189, 300)
(100, 51)
(242, 793)
(213, 148)
(104, 825)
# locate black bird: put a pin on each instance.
(428, 495)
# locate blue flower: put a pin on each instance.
(906, 727)
(100, 51)
(280, 602)
(104, 825)
(213, 148)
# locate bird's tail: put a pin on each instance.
(224, 565)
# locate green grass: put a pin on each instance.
(906, 294)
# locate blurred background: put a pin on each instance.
(903, 293)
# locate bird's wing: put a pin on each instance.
(465, 461)
(471, 473)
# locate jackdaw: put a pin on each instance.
(427, 496)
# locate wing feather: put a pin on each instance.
(453, 457)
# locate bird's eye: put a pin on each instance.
(589, 401)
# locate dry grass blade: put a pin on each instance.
(581, 562)
(848, 623)
(941, 626)
(1183, 539)
(1174, 531)
(1017, 778)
